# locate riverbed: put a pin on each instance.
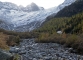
(29, 50)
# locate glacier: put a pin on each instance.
(20, 18)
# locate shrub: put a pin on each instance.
(13, 40)
(3, 40)
(71, 40)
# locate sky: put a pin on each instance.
(43, 3)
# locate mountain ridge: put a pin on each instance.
(12, 6)
(26, 21)
(68, 11)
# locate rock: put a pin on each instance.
(34, 59)
(47, 58)
(22, 52)
(40, 59)
(47, 51)
(5, 55)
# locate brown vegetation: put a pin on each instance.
(69, 40)
(3, 40)
(8, 40)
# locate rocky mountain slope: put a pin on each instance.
(73, 9)
(26, 18)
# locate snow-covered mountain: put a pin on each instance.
(12, 6)
(27, 18)
(30, 8)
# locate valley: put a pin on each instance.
(35, 33)
(21, 19)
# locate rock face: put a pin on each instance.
(33, 7)
(26, 18)
(30, 8)
(30, 50)
(5, 55)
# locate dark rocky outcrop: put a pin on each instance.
(5, 56)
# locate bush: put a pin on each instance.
(3, 40)
(80, 46)
(13, 40)
(71, 40)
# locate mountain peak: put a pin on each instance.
(33, 7)
(33, 3)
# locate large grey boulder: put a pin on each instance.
(5, 55)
